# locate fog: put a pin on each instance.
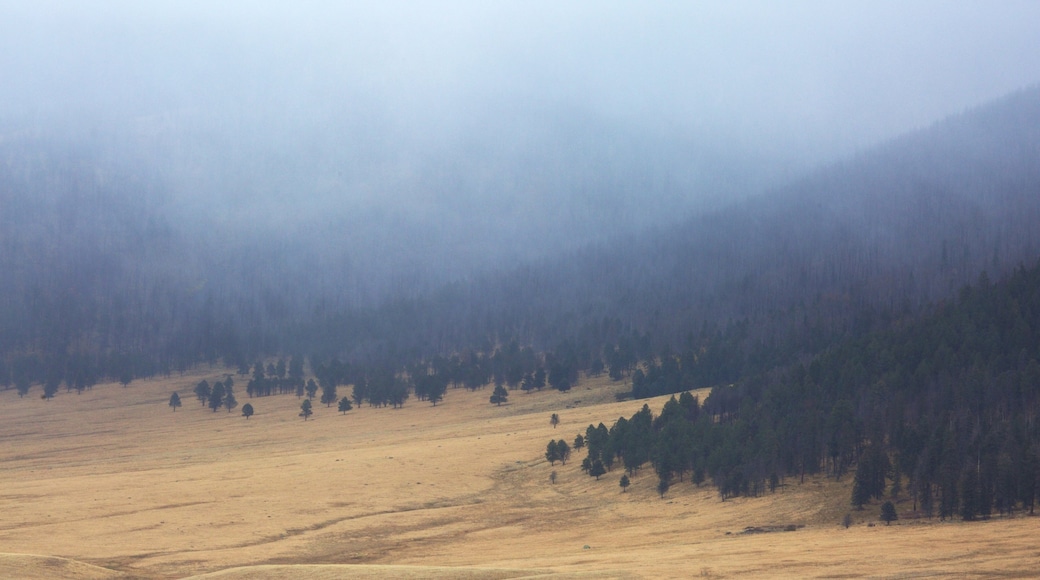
(418, 141)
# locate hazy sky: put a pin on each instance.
(809, 75)
(448, 135)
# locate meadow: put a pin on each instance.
(112, 483)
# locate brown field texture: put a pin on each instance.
(113, 484)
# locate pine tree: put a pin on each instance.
(305, 409)
(344, 405)
(230, 402)
(175, 401)
(662, 486)
(499, 396)
(247, 411)
(328, 393)
(554, 420)
(888, 513)
(563, 451)
(597, 469)
(552, 453)
(216, 396)
(624, 483)
(202, 391)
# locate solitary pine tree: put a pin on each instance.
(175, 401)
(552, 477)
(554, 420)
(247, 411)
(499, 396)
(305, 409)
(344, 405)
(624, 483)
(888, 513)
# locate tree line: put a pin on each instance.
(940, 411)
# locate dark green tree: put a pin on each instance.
(202, 391)
(312, 388)
(499, 395)
(258, 371)
(563, 451)
(539, 379)
(305, 409)
(296, 369)
(597, 469)
(328, 393)
(175, 401)
(435, 393)
(624, 483)
(888, 513)
(662, 486)
(230, 402)
(552, 452)
(344, 405)
(247, 411)
(579, 442)
(216, 396)
(554, 420)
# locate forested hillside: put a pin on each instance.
(941, 412)
(102, 279)
(850, 248)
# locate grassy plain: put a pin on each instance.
(113, 484)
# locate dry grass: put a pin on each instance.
(117, 484)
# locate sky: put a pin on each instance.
(815, 76)
(542, 118)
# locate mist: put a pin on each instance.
(419, 142)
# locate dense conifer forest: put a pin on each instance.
(941, 410)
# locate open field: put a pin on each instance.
(112, 484)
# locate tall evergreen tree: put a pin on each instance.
(552, 452)
(202, 391)
(230, 402)
(499, 396)
(216, 396)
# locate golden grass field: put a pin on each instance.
(113, 484)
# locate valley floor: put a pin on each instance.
(113, 484)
